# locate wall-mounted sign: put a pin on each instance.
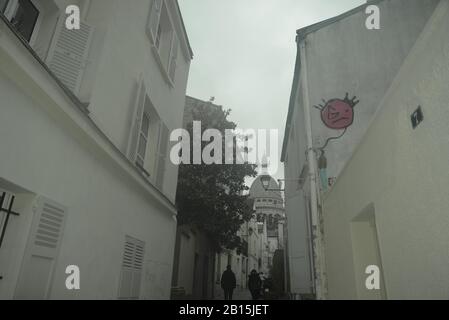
(417, 117)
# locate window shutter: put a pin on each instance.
(173, 58)
(68, 54)
(162, 154)
(42, 250)
(153, 21)
(137, 121)
(132, 264)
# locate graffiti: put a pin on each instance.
(338, 114)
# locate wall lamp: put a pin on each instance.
(265, 179)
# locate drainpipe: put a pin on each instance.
(311, 159)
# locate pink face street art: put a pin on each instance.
(338, 114)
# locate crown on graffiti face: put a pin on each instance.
(353, 102)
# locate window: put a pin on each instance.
(163, 38)
(158, 36)
(3, 4)
(143, 140)
(23, 15)
(131, 273)
(148, 145)
(148, 139)
(68, 55)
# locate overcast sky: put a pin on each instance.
(244, 54)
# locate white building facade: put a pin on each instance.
(343, 72)
(388, 208)
(85, 117)
(270, 215)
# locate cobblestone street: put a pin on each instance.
(239, 294)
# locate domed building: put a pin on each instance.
(270, 215)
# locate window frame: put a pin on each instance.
(156, 42)
(11, 11)
(150, 164)
(145, 136)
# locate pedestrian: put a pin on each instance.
(228, 283)
(254, 284)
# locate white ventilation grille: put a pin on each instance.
(68, 54)
(138, 257)
(132, 264)
(133, 254)
(49, 227)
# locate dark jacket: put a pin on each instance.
(228, 280)
(254, 282)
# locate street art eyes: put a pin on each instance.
(338, 114)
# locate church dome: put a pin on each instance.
(257, 190)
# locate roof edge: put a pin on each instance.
(183, 26)
(303, 32)
(291, 105)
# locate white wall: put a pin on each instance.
(403, 173)
(50, 148)
(344, 57)
(125, 55)
(347, 57)
(104, 203)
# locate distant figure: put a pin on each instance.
(254, 284)
(228, 283)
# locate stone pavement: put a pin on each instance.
(239, 294)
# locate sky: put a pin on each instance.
(245, 52)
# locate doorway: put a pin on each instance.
(366, 252)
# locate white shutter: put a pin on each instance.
(153, 20)
(68, 54)
(42, 250)
(132, 264)
(173, 57)
(161, 154)
(136, 121)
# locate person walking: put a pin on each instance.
(254, 284)
(228, 283)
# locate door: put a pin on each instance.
(366, 253)
(42, 250)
